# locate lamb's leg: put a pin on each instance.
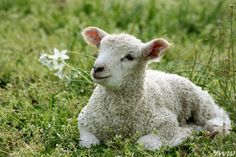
(218, 124)
(166, 126)
(182, 135)
(87, 139)
(209, 114)
(150, 141)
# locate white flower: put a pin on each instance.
(45, 60)
(57, 65)
(55, 62)
(59, 58)
(59, 74)
(59, 55)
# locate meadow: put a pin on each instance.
(38, 111)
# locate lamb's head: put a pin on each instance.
(120, 56)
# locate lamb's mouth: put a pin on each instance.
(101, 77)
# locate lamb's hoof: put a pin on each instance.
(150, 141)
(216, 126)
(87, 139)
(88, 142)
(211, 134)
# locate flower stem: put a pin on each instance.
(80, 73)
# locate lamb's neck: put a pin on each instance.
(132, 90)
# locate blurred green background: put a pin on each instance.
(38, 112)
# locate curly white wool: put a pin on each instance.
(155, 104)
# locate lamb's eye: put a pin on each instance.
(129, 57)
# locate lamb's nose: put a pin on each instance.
(98, 69)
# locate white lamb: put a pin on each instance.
(130, 99)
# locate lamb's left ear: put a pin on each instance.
(93, 35)
(154, 49)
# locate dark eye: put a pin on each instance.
(129, 57)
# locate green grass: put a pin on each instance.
(38, 112)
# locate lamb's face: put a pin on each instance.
(120, 55)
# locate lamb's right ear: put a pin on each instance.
(153, 50)
(93, 35)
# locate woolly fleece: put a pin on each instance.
(154, 104)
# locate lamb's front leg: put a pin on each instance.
(87, 139)
(150, 141)
(166, 128)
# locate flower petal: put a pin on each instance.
(56, 51)
(51, 56)
(64, 57)
(60, 74)
(57, 65)
(63, 52)
(49, 64)
(43, 59)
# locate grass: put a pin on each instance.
(38, 112)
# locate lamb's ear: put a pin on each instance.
(154, 49)
(93, 35)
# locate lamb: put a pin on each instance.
(130, 99)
